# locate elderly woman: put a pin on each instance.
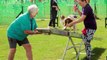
(19, 29)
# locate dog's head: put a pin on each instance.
(62, 17)
(67, 21)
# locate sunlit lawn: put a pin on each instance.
(51, 47)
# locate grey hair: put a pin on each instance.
(33, 9)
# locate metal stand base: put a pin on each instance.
(74, 47)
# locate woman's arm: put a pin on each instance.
(31, 32)
(76, 9)
(82, 18)
(28, 32)
(80, 13)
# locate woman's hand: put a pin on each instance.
(75, 8)
(36, 32)
(69, 25)
(28, 32)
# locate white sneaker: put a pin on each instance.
(64, 28)
(48, 27)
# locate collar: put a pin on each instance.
(28, 15)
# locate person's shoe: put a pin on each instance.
(48, 27)
(86, 58)
(64, 28)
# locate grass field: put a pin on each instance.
(51, 47)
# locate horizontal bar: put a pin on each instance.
(59, 32)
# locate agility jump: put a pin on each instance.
(67, 34)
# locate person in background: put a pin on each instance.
(18, 31)
(53, 12)
(90, 26)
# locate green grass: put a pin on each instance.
(51, 47)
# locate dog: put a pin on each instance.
(67, 20)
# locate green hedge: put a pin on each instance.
(9, 9)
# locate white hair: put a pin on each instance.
(33, 9)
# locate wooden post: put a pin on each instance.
(31, 1)
(22, 11)
(22, 1)
(106, 22)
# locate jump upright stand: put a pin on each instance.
(76, 48)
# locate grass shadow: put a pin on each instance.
(98, 38)
(96, 53)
